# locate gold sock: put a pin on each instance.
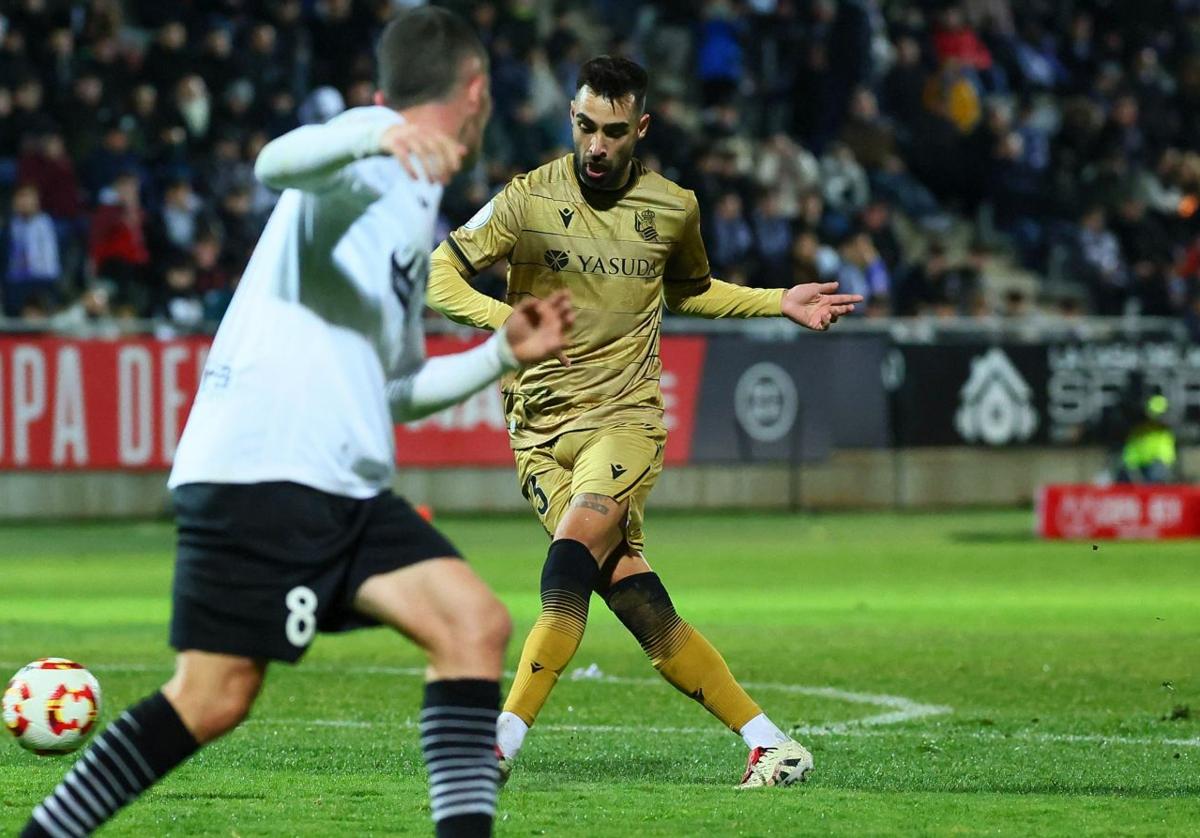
(567, 580)
(680, 653)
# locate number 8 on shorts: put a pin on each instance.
(301, 622)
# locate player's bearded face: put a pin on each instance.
(606, 133)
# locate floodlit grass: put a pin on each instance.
(1035, 688)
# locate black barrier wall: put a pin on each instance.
(792, 401)
(1038, 394)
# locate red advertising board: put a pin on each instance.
(121, 404)
(95, 404)
(1120, 511)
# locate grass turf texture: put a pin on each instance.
(1062, 664)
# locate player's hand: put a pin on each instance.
(537, 329)
(440, 156)
(815, 306)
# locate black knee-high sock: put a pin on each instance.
(458, 738)
(132, 754)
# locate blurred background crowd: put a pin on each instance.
(978, 159)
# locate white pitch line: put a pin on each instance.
(903, 710)
(715, 730)
(899, 708)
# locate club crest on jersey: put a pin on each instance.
(556, 260)
(643, 222)
(567, 215)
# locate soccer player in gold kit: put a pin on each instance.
(587, 429)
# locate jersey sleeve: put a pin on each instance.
(313, 157)
(449, 293)
(687, 271)
(492, 232)
(689, 288)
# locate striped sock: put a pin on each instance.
(458, 738)
(132, 753)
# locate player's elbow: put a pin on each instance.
(675, 303)
(267, 169)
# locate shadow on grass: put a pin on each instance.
(1013, 536)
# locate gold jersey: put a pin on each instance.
(619, 254)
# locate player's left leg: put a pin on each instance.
(689, 662)
(407, 576)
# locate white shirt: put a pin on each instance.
(322, 348)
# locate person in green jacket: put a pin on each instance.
(1149, 453)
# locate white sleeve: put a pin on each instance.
(310, 157)
(448, 379)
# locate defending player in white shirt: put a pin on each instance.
(286, 524)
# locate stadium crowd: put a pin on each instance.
(918, 152)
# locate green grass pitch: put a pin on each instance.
(951, 675)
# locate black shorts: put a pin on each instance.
(261, 567)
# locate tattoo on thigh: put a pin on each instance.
(596, 503)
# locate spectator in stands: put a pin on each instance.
(215, 63)
(118, 248)
(88, 114)
(8, 127)
(868, 134)
(813, 261)
(29, 116)
(862, 271)
(177, 299)
(262, 63)
(732, 239)
(239, 224)
(903, 88)
(1147, 250)
(59, 63)
(193, 109)
(876, 221)
(114, 155)
(179, 219)
(844, 187)
(772, 242)
(927, 290)
(46, 166)
(167, 61)
(211, 272)
(951, 93)
(788, 168)
(32, 263)
(1100, 264)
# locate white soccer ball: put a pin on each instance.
(51, 705)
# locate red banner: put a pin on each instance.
(474, 433)
(95, 404)
(1122, 511)
(99, 404)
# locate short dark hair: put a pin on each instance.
(614, 78)
(420, 55)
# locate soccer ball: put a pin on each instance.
(51, 705)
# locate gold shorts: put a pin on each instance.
(621, 462)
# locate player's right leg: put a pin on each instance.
(208, 696)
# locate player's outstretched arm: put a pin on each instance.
(311, 156)
(713, 298)
(816, 306)
(536, 330)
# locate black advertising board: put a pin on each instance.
(1036, 394)
(790, 401)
